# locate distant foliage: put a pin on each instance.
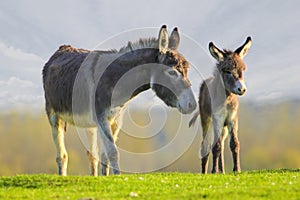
(269, 137)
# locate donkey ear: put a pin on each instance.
(163, 39)
(215, 52)
(243, 50)
(174, 39)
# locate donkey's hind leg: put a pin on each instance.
(115, 128)
(58, 132)
(235, 146)
(93, 152)
(206, 143)
(108, 144)
(204, 158)
(104, 163)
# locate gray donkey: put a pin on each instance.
(88, 89)
(218, 106)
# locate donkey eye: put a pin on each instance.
(172, 73)
(227, 72)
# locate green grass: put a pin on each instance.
(266, 184)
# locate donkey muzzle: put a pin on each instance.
(186, 101)
(240, 87)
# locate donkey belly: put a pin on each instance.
(88, 120)
(85, 120)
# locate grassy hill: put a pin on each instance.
(267, 184)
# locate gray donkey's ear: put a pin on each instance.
(215, 52)
(163, 39)
(243, 50)
(174, 39)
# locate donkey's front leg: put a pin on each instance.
(221, 158)
(218, 124)
(235, 145)
(108, 144)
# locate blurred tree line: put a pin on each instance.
(269, 137)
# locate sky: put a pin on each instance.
(32, 30)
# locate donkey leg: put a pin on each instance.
(221, 158)
(93, 152)
(104, 163)
(204, 163)
(108, 144)
(206, 142)
(218, 124)
(216, 151)
(115, 128)
(58, 130)
(235, 146)
(205, 150)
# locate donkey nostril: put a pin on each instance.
(192, 105)
(242, 90)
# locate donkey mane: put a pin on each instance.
(227, 52)
(67, 53)
(140, 44)
(131, 46)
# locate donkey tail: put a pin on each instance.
(193, 120)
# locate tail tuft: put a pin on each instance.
(193, 120)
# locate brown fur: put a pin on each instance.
(218, 106)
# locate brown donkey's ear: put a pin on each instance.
(215, 52)
(163, 39)
(243, 50)
(174, 39)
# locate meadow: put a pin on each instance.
(266, 184)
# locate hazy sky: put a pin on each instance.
(32, 30)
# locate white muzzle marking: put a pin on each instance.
(186, 101)
(240, 87)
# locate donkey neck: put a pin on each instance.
(127, 76)
(219, 90)
(140, 62)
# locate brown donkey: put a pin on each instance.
(85, 88)
(218, 106)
